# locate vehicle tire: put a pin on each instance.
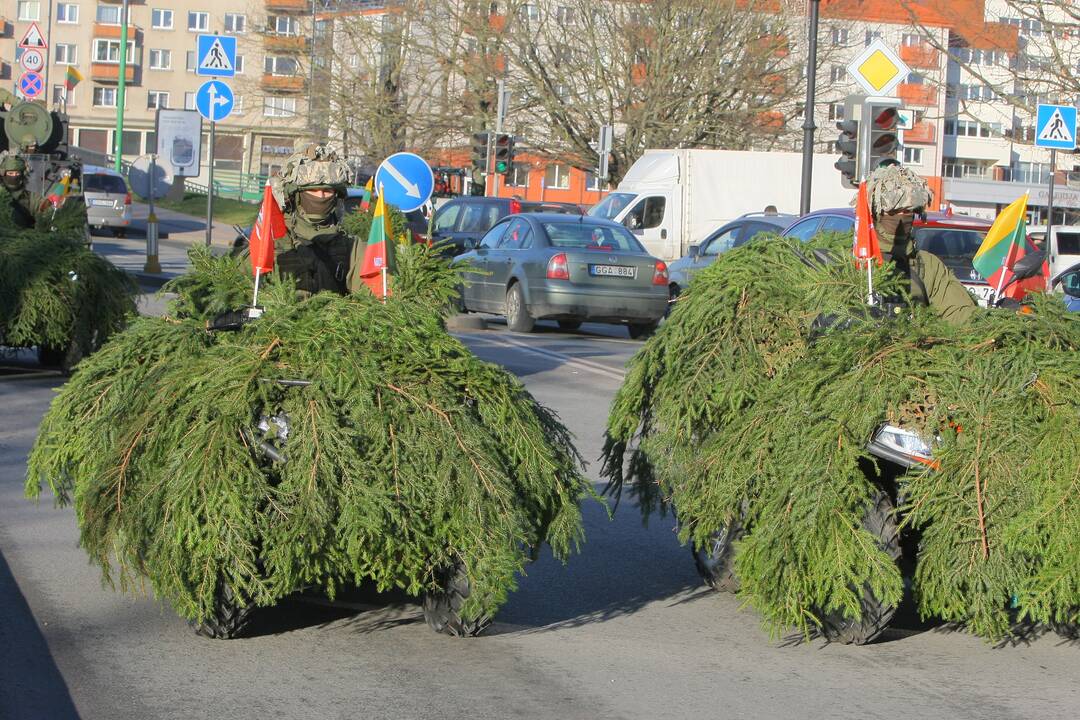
(880, 520)
(674, 291)
(119, 232)
(716, 562)
(518, 318)
(442, 608)
(641, 330)
(227, 620)
(569, 324)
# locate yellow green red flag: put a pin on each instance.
(1009, 229)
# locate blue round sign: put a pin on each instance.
(214, 100)
(31, 84)
(405, 181)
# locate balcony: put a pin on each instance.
(921, 133)
(295, 6)
(282, 83)
(286, 44)
(920, 56)
(111, 32)
(110, 72)
(497, 22)
(919, 95)
(638, 73)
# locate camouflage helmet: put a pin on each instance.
(11, 162)
(894, 187)
(315, 166)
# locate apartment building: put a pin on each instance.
(270, 111)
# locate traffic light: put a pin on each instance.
(882, 118)
(504, 153)
(848, 147)
(480, 150)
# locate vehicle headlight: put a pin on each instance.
(905, 441)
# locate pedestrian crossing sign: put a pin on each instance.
(1055, 127)
(217, 56)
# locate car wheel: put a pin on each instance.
(518, 318)
(119, 232)
(569, 324)
(641, 330)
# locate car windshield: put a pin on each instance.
(103, 183)
(591, 237)
(611, 206)
(949, 242)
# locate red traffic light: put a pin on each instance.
(885, 118)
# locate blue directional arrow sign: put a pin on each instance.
(216, 55)
(1055, 127)
(405, 181)
(214, 100)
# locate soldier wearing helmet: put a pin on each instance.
(315, 251)
(13, 178)
(896, 194)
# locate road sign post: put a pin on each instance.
(214, 101)
(1055, 128)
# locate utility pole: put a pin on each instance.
(121, 87)
(808, 112)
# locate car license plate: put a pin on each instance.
(102, 203)
(982, 293)
(627, 271)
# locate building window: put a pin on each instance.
(60, 94)
(518, 175)
(156, 99)
(839, 36)
(279, 107)
(160, 59)
(557, 176)
(161, 19)
(189, 62)
(836, 111)
(29, 10)
(912, 156)
(276, 65)
(565, 15)
(529, 11)
(66, 54)
(108, 51)
(198, 21)
(871, 36)
(837, 73)
(189, 101)
(235, 23)
(911, 40)
(239, 66)
(67, 13)
(105, 97)
(592, 182)
(238, 105)
(108, 14)
(1029, 172)
(282, 25)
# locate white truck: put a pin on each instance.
(1064, 248)
(672, 199)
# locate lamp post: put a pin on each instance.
(808, 112)
(121, 87)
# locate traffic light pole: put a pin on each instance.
(500, 112)
(808, 112)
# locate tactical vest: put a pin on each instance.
(318, 263)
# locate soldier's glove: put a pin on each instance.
(1007, 303)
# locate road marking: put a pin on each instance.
(568, 360)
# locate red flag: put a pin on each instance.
(866, 239)
(269, 226)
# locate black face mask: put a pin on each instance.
(14, 182)
(317, 209)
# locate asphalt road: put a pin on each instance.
(624, 630)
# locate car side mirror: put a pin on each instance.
(470, 244)
(694, 251)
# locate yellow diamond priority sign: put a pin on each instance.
(877, 69)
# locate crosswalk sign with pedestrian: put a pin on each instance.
(216, 55)
(1055, 127)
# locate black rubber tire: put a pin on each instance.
(518, 318)
(716, 563)
(641, 330)
(228, 619)
(569, 324)
(119, 232)
(442, 609)
(879, 520)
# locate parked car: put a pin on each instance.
(953, 238)
(462, 222)
(1064, 250)
(566, 268)
(1069, 283)
(728, 236)
(108, 200)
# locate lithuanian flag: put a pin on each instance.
(72, 78)
(365, 200)
(1003, 240)
(379, 254)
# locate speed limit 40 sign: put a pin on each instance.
(32, 60)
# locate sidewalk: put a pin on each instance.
(178, 233)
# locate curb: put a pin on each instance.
(465, 323)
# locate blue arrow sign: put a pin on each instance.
(1055, 127)
(405, 181)
(214, 100)
(31, 84)
(216, 55)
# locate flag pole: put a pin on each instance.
(255, 299)
(385, 289)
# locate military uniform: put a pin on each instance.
(896, 194)
(15, 194)
(315, 251)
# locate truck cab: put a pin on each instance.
(646, 203)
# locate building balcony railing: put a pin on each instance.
(297, 6)
(920, 95)
(110, 72)
(921, 133)
(920, 56)
(286, 43)
(282, 83)
(113, 32)
(497, 22)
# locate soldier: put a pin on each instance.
(13, 168)
(315, 250)
(896, 194)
